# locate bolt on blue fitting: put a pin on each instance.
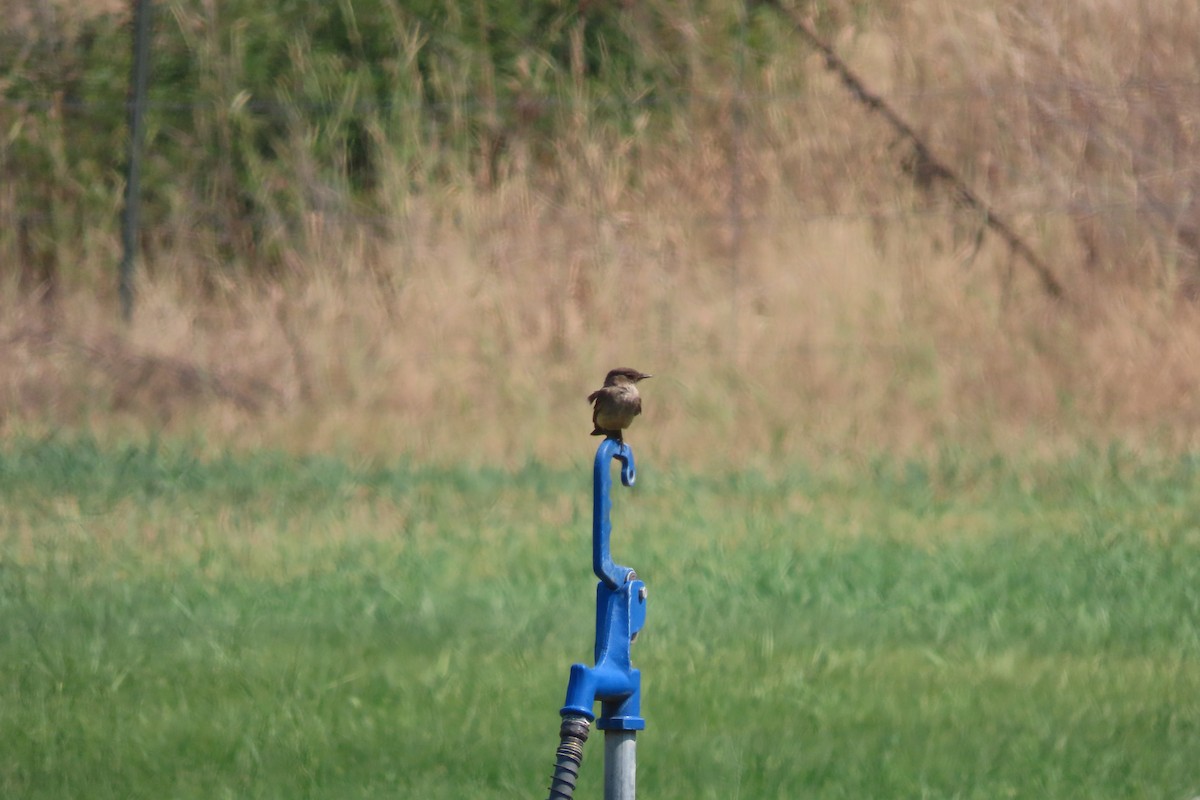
(620, 613)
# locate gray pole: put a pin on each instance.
(139, 78)
(620, 765)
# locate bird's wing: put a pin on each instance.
(592, 398)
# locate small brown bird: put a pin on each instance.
(616, 403)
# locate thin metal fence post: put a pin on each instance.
(138, 82)
(736, 213)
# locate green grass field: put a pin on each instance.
(260, 625)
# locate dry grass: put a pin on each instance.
(850, 310)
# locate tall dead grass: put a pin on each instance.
(798, 291)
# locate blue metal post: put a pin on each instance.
(612, 575)
(620, 612)
(612, 681)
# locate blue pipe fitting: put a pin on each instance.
(620, 614)
(613, 681)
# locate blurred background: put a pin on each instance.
(431, 227)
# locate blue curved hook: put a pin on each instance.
(613, 575)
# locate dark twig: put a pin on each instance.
(930, 167)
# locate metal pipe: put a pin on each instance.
(620, 765)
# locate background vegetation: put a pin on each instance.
(386, 226)
(314, 523)
(268, 626)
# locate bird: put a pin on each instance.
(615, 404)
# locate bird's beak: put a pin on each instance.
(644, 376)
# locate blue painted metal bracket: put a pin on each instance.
(614, 576)
(620, 614)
